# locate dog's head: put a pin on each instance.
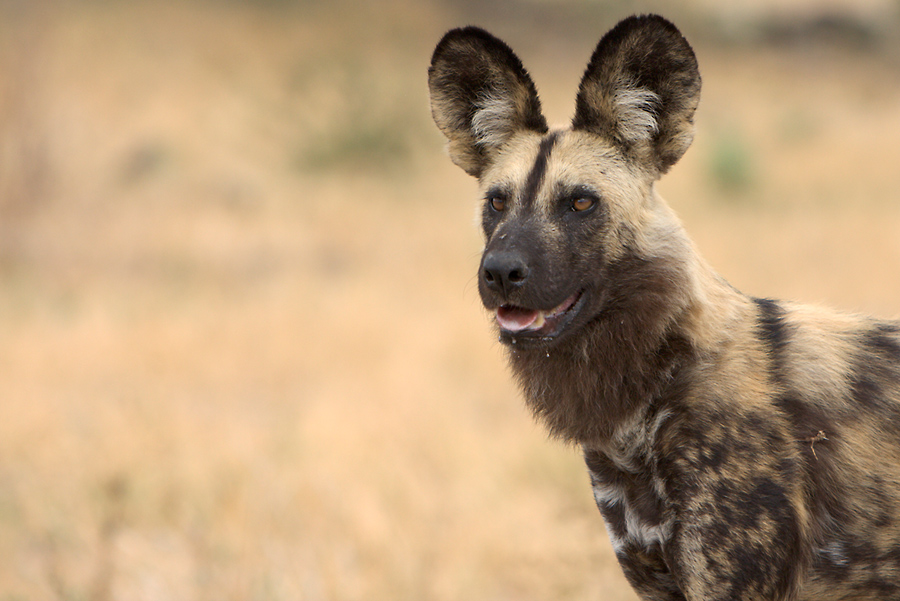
(566, 211)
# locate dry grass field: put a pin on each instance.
(242, 355)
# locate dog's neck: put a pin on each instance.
(639, 350)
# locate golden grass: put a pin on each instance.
(237, 366)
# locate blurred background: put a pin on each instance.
(242, 354)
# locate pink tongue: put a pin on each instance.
(514, 319)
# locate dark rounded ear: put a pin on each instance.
(640, 91)
(480, 96)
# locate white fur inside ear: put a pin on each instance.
(493, 121)
(636, 113)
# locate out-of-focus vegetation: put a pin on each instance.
(241, 350)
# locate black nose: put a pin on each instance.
(504, 271)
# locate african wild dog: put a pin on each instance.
(738, 447)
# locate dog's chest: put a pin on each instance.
(631, 498)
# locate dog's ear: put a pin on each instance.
(640, 91)
(480, 96)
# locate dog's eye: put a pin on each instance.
(498, 203)
(582, 204)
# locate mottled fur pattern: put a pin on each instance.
(738, 448)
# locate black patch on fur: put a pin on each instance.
(636, 488)
(876, 375)
(714, 455)
(806, 418)
(867, 391)
(882, 340)
(536, 175)
(774, 333)
(760, 569)
(614, 515)
(882, 588)
(648, 573)
(873, 384)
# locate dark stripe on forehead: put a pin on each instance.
(536, 176)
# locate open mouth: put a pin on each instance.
(521, 323)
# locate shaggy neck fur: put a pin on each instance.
(634, 353)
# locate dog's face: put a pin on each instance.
(555, 214)
(564, 208)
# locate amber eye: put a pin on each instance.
(498, 203)
(582, 204)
